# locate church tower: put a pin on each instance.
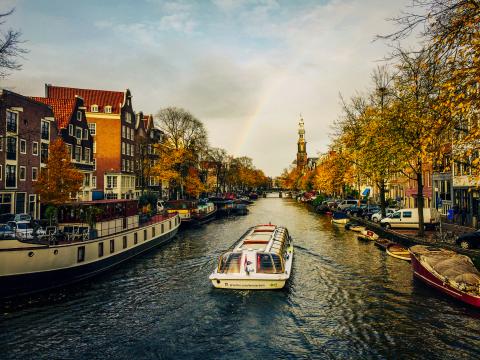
(302, 146)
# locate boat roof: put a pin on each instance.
(266, 238)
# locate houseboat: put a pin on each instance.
(451, 273)
(260, 260)
(192, 212)
(91, 237)
(224, 206)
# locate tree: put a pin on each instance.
(10, 48)
(217, 158)
(59, 179)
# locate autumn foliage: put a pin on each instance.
(59, 179)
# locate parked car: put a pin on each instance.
(4, 218)
(346, 204)
(22, 217)
(378, 215)
(25, 231)
(408, 218)
(469, 240)
(6, 232)
(370, 211)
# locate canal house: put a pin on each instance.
(111, 121)
(73, 129)
(26, 129)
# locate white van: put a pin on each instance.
(408, 218)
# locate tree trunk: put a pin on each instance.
(421, 221)
(383, 204)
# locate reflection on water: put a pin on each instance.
(346, 299)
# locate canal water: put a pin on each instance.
(346, 300)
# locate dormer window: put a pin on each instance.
(94, 108)
(79, 115)
(108, 109)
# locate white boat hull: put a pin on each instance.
(249, 284)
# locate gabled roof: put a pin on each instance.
(62, 109)
(102, 98)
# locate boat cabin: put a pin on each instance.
(263, 249)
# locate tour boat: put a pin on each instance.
(115, 232)
(260, 260)
(453, 274)
(192, 212)
(398, 251)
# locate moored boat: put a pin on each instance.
(261, 260)
(83, 249)
(398, 251)
(358, 228)
(383, 243)
(192, 212)
(224, 206)
(453, 274)
(340, 218)
(368, 235)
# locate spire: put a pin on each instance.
(301, 145)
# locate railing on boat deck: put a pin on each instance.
(80, 232)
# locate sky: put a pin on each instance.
(246, 68)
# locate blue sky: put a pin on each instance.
(246, 68)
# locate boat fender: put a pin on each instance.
(369, 233)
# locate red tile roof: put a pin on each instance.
(91, 97)
(62, 109)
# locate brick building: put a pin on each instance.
(26, 129)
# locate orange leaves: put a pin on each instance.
(59, 178)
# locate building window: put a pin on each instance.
(70, 130)
(78, 153)
(69, 150)
(78, 133)
(123, 131)
(123, 148)
(128, 118)
(135, 238)
(86, 180)
(35, 148)
(5, 203)
(31, 205)
(79, 115)
(23, 146)
(1, 143)
(111, 182)
(11, 176)
(100, 249)
(94, 147)
(108, 109)
(22, 174)
(112, 246)
(43, 153)
(93, 128)
(94, 108)
(12, 121)
(123, 164)
(45, 130)
(34, 174)
(85, 134)
(1, 171)
(11, 148)
(81, 254)
(125, 241)
(87, 154)
(94, 181)
(94, 164)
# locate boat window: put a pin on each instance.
(153, 231)
(163, 229)
(277, 260)
(112, 246)
(100, 249)
(265, 264)
(81, 254)
(135, 238)
(230, 263)
(144, 234)
(124, 242)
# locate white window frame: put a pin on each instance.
(108, 109)
(123, 131)
(94, 181)
(20, 173)
(70, 129)
(92, 127)
(94, 108)
(79, 115)
(94, 164)
(34, 170)
(86, 152)
(94, 146)
(81, 133)
(123, 148)
(69, 150)
(35, 147)
(85, 134)
(24, 142)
